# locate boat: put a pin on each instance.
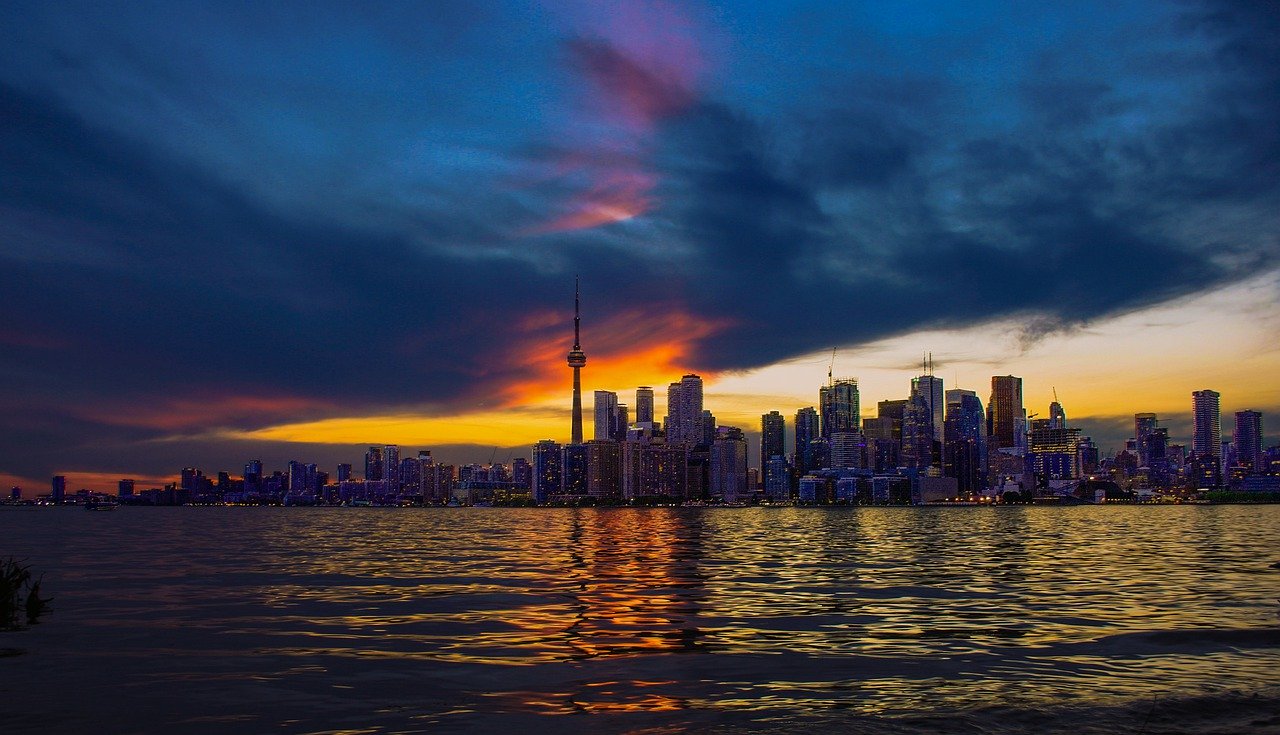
(101, 503)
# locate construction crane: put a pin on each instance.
(831, 367)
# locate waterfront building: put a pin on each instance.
(604, 468)
(965, 442)
(1248, 441)
(654, 468)
(411, 476)
(728, 466)
(125, 488)
(573, 477)
(58, 489)
(344, 472)
(1054, 452)
(1206, 438)
(773, 444)
(807, 430)
(777, 479)
(547, 458)
(576, 360)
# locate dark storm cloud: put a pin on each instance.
(892, 223)
(292, 215)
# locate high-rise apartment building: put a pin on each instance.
(604, 468)
(1206, 438)
(606, 416)
(684, 411)
(573, 469)
(547, 463)
(729, 465)
(391, 466)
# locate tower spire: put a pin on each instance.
(577, 319)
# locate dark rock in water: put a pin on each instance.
(1276, 565)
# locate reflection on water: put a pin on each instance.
(310, 620)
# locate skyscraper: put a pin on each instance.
(1207, 437)
(933, 400)
(772, 428)
(577, 359)
(918, 440)
(573, 469)
(965, 441)
(1144, 425)
(606, 410)
(684, 411)
(391, 467)
(729, 464)
(807, 430)
(373, 464)
(644, 405)
(1006, 418)
(1248, 437)
(839, 404)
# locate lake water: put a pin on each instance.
(365, 620)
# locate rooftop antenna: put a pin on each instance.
(577, 319)
(1055, 394)
(831, 367)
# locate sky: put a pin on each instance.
(291, 230)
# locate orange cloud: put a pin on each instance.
(635, 347)
(651, 346)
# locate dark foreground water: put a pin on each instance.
(982, 620)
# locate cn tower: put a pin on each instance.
(577, 358)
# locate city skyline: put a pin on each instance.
(269, 231)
